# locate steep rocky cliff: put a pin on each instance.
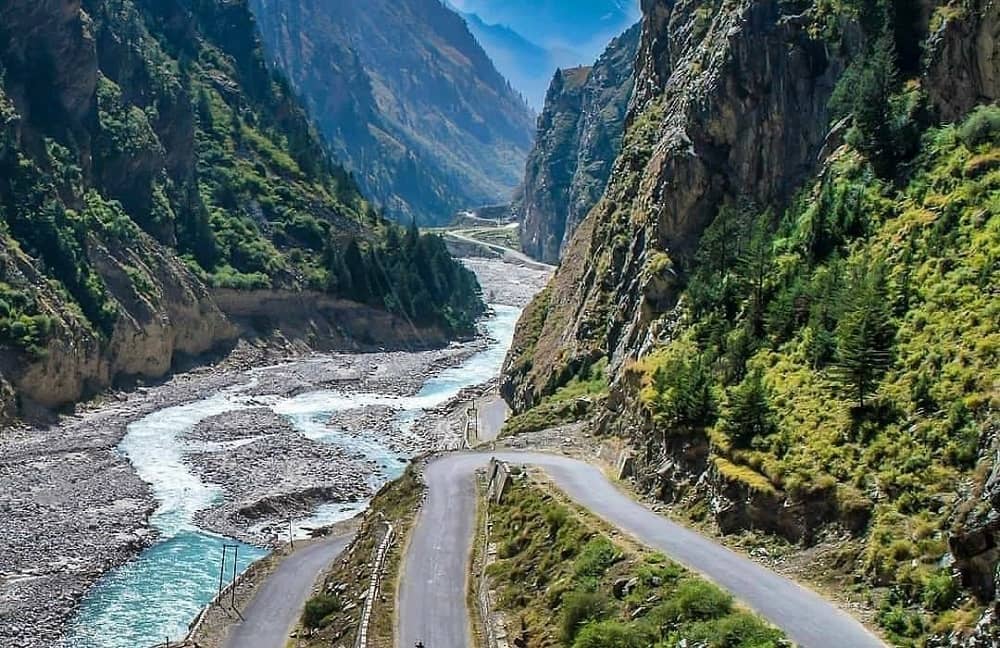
(578, 137)
(407, 99)
(147, 153)
(790, 277)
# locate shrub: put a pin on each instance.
(580, 607)
(736, 630)
(982, 126)
(318, 608)
(611, 634)
(940, 591)
(695, 600)
(595, 559)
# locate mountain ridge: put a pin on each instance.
(764, 296)
(425, 141)
(579, 135)
(149, 157)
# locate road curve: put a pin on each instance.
(432, 591)
(269, 618)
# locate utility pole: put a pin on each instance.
(236, 555)
(222, 572)
(291, 535)
(472, 423)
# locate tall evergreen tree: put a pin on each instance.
(748, 413)
(754, 267)
(864, 331)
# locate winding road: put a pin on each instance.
(276, 607)
(433, 583)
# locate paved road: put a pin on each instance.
(274, 610)
(510, 255)
(493, 413)
(433, 583)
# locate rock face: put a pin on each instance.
(406, 97)
(964, 68)
(975, 544)
(579, 135)
(735, 109)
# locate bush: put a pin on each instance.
(940, 591)
(736, 630)
(982, 126)
(579, 608)
(611, 634)
(695, 600)
(595, 559)
(318, 608)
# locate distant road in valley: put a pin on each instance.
(508, 254)
(434, 577)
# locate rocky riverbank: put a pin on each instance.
(73, 508)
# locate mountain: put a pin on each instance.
(407, 99)
(579, 135)
(525, 64)
(160, 188)
(529, 41)
(784, 304)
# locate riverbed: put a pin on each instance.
(239, 455)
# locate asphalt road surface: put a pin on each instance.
(269, 618)
(433, 583)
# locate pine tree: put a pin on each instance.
(205, 117)
(748, 412)
(355, 263)
(873, 132)
(864, 331)
(755, 266)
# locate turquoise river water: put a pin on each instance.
(155, 596)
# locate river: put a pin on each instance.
(155, 596)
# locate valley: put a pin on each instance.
(232, 450)
(313, 333)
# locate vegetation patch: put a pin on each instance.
(573, 401)
(561, 581)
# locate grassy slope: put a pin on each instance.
(563, 581)
(333, 619)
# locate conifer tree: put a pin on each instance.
(748, 412)
(864, 331)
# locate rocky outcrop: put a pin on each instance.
(964, 57)
(733, 109)
(578, 137)
(177, 316)
(406, 97)
(975, 543)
